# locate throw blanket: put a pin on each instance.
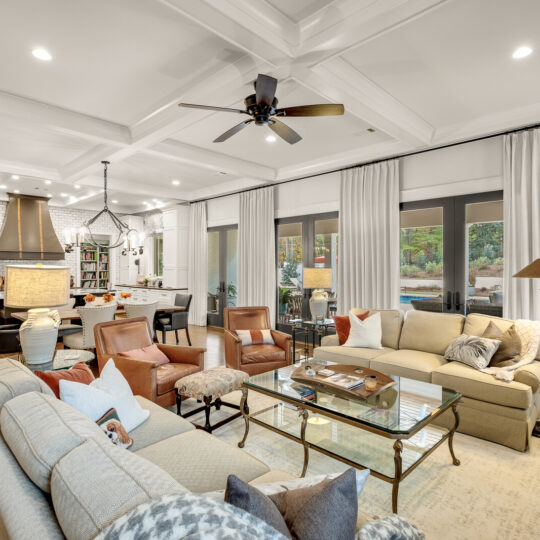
(529, 334)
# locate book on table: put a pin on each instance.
(345, 381)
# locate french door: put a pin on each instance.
(222, 272)
(452, 254)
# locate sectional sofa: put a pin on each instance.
(413, 347)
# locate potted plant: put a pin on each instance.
(231, 294)
(284, 299)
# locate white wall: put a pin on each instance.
(459, 170)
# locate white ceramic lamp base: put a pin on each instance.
(39, 334)
(318, 304)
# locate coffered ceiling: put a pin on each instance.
(418, 72)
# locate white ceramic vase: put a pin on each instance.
(318, 304)
(39, 334)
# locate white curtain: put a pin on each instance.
(521, 223)
(256, 250)
(198, 263)
(368, 269)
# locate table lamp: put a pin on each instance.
(318, 279)
(37, 289)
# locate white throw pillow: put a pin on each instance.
(367, 333)
(110, 389)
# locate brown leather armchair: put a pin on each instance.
(254, 359)
(148, 379)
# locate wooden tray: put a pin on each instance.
(360, 392)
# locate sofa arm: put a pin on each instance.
(140, 374)
(184, 355)
(283, 341)
(530, 375)
(330, 341)
(233, 349)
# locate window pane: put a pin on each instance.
(290, 266)
(484, 270)
(421, 257)
(158, 255)
(231, 252)
(326, 246)
(213, 268)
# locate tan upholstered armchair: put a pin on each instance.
(146, 378)
(254, 359)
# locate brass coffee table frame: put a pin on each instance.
(306, 408)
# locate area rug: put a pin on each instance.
(493, 495)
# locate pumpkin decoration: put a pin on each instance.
(108, 297)
(125, 295)
(89, 298)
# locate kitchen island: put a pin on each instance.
(150, 293)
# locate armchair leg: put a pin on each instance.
(178, 404)
(188, 338)
(163, 337)
(176, 334)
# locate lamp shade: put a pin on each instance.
(530, 271)
(29, 287)
(317, 278)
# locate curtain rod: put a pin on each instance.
(373, 162)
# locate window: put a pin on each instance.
(158, 254)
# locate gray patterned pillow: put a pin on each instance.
(188, 515)
(391, 527)
(472, 350)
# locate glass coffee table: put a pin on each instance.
(390, 433)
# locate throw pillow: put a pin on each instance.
(343, 325)
(80, 372)
(90, 401)
(152, 353)
(510, 348)
(113, 428)
(367, 333)
(255, 337)
(389, 527)
(529, 334)
(474, 351)
(326, 510)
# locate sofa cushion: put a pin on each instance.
(168, 374)
(201, 462)
(80, 372)
(262, 353)
(98, 482)
(416, 365)
(40, 430)
(430, 332)
(358, 356)
(391, 323)
(16, 379)
(161, 424)
(482, 386)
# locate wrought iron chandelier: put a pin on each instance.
(124, 237)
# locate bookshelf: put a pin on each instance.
(94, 266)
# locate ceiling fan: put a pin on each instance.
(262, 107)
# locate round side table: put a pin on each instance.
(63, 359)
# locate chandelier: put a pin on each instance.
(124, 236)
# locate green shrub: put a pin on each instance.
(434, 268)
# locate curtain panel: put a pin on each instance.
(256, 250)
(369, 237)
(198, 263)
(521, 158)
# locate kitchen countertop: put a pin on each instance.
(152, 287)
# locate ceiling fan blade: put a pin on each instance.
(329, 109)
(284, 131)
(232, 131)
(211, 108)
(265, 89)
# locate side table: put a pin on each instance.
(312, 330)
(63, 359)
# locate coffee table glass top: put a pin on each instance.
(397, 411)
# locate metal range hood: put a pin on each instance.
(27, 232)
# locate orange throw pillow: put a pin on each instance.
(343, 325)
(150, 353)
(80, 373)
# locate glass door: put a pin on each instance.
(451, 254)
(222, 272)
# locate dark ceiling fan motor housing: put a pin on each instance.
(261, 113)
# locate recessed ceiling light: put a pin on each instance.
(15, 176)
(63, 194)
(371, 130)
(77, 186)
(49, 195)
(42, 54)
(114, 201)
(48, 182)
(521, 52)
(3, 186)
(16, 191)
(175, 182)
(221, 173)
(270, 138)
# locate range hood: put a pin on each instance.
(27, 232)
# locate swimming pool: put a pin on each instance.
(406, 299)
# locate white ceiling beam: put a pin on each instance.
(87, 163)
(225, 188)
(62, 120)
(28, 169)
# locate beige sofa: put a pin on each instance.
(61, 476)
(414, 346)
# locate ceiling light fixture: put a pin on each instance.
(63, 194)
(114, 201)
(270, 138)
(48, 182)
(521, 52)
(77, 186)
(3, 186)
(175, 182)
(49, 194)
(16, 191)
(15, 177)
(42, 54)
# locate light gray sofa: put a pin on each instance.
(61, 476)
(413, 347)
